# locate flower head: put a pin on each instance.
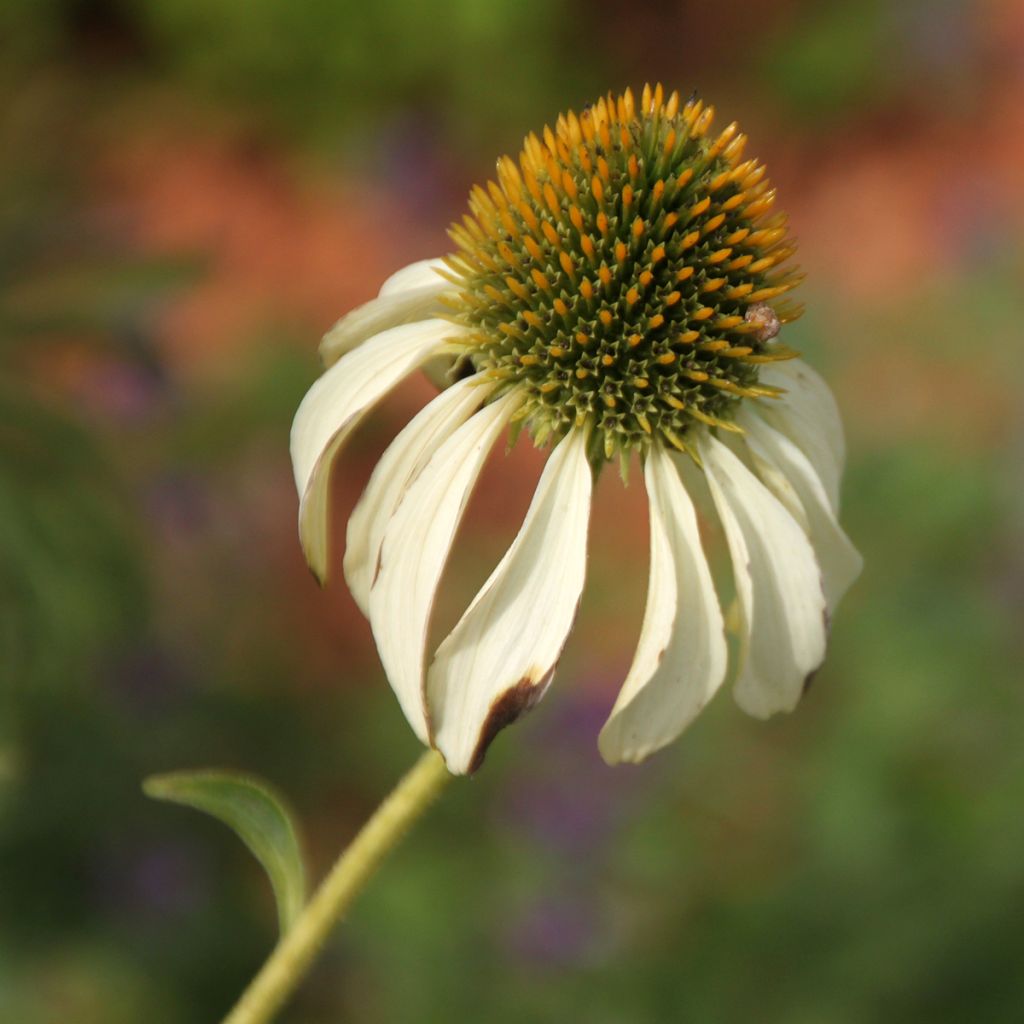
(619, 274)
(617, 290)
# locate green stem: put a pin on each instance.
(294, 954)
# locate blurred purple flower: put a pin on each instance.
(149, 679)
(123, 392)
(177, 503)
(560, 931)
(153, 881)
(574, 802)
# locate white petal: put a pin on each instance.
(777, 456)
(333, 407)
(411, 294)
(398, 467)
(778, 586)
(416, 275)
(500, 657)
(681, 657)
(416, 543)
(808, 415)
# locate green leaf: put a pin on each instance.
(259, 816)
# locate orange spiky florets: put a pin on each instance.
(625, 271)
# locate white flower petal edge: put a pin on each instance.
(681, 656)
(422, 273)
(335, 404)
(415, 549)
(808, 415)
(398, 467)
(778, 585)
(408, 295)
(500, 657)
(840, 561)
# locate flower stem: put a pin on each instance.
(294, 954)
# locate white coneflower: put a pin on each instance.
(615, 291)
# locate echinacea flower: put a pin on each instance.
(618, 290)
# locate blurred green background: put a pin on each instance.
(190, 192)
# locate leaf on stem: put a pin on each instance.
(257, 814)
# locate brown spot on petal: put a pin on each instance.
(826, 621)
(808, 681)
(765, 318)
(505, 709)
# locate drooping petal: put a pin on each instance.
(776, 455)
(808, 415)
(398, 467)
(681, 656)
(408, 295)
(500, 657)
(333, 407)
(778, 585)
(415, 548)
(422, 273)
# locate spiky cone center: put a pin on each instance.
(625, 274)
